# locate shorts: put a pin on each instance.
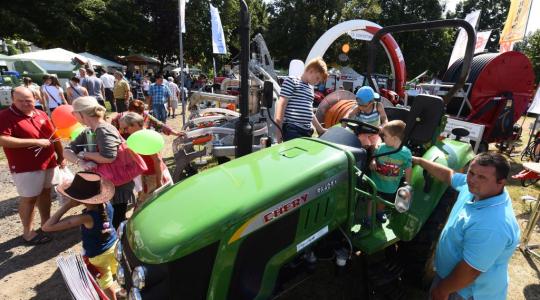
(369, 139)
(174, 104)
(31, 184)
(292, 131)
(106, 265)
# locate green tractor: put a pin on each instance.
(248, 228)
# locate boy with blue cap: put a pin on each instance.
(368, 111)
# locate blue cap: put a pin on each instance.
(365, 94)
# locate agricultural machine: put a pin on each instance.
(251, 227)
(211, 127)
(495, 95)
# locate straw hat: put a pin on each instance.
(87, 187)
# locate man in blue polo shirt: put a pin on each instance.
(159, 95)
(477, 242)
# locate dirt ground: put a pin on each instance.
(30, 272)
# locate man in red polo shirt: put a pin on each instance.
(25, 136)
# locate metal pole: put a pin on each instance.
(244, 129)
(181, 66)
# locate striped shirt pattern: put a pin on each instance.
(300, 102)
(371, 118)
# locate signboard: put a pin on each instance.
(476, 131)
(360, 35)
(461, 41)
(516, 22)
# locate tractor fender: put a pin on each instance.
(427, 191)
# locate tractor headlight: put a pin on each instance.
(135, 294)
(118, 251)
(403, 198)
(139, 276)
(121, 276)
(120, 230)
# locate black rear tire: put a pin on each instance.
(416, 255)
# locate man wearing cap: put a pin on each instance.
(175, 95)
(481, 234)
(159, 95)
(29, 142)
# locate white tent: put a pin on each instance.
(100, 61)
(56, 59)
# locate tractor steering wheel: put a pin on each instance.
(359, 127)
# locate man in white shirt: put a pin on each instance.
(108, 84)
(175, 94)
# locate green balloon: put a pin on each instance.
(77, 132)
(145, 142)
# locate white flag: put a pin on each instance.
(183, 15)
(461, 41)
(535, 105)
(481, 41)
(218, 37)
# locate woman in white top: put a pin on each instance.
(53, 93)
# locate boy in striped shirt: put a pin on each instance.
(294, 113)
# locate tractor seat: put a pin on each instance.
(423, 119)
(396, 113)
(347, 141)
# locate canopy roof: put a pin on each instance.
(100, 61)
(56, 59)
(140, 59)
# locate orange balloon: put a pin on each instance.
(62, 116)
(345, 48)
(65, 133)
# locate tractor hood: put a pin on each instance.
(202, 209)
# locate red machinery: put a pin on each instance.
(501, 86)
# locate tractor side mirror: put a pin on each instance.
(268, 94)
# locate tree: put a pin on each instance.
(493, 17)
(531, 47)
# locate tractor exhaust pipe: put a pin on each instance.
(244, 129)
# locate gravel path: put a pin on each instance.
(31, 273)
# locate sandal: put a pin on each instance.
(39, 239)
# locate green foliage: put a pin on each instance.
(493, 17)
(531, 47)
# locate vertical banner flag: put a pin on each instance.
(218, 37)
(535, 105)
(516, 24)
(183, 15)
(481, 41)
(461, 41)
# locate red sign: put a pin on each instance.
(283, 209)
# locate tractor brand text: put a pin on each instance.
(283, 209)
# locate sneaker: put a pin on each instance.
(381, 217)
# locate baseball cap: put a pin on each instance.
(365, 94)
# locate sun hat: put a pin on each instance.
(84, 103)
(87, 187)
(365, 94)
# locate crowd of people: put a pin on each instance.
(475, 246)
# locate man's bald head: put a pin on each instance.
(23, 99)
(22, 92)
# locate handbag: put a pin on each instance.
(124, 168)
